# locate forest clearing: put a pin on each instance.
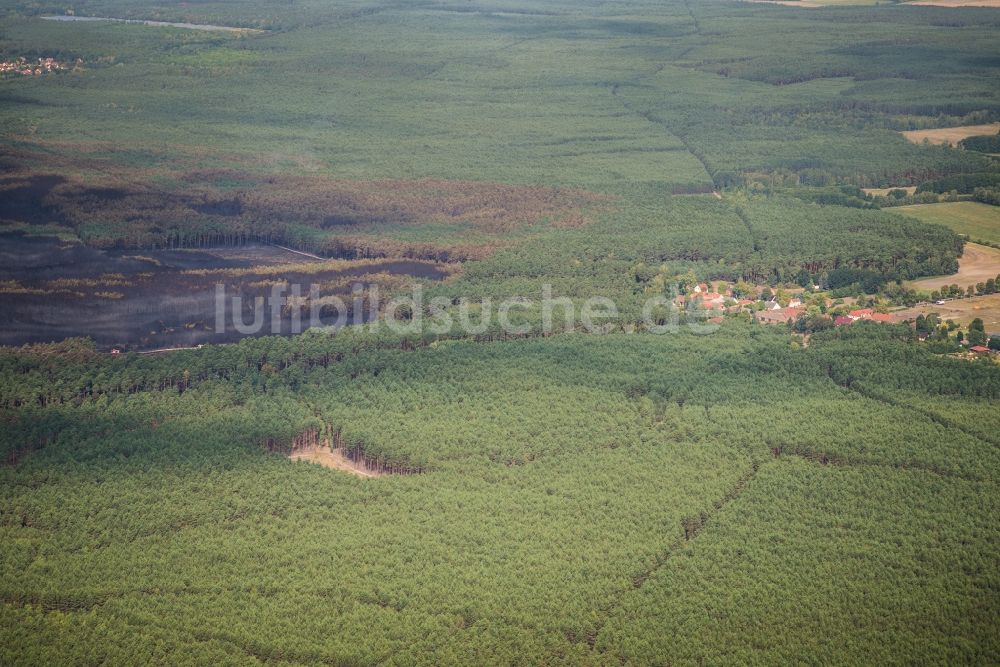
(333, 458)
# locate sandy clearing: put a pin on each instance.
(977, 264)
(951, 135)
(962, 311)
(332, 458)
(883, 192)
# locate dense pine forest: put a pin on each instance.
(806, 491)
(582, 499)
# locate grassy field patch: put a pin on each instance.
(973, 219)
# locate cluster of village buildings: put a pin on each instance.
(24, 67)
(784, 309)
(770, 310)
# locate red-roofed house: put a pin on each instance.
(979, 349)
(841, 320)
(713, 298)
(793, 313)
(884, 318)
(863, 314)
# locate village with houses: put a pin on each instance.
(24, 67)
(805, 310)
(778, 306)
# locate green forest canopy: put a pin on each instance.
(638, 499)
(564, 481)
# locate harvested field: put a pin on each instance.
(962, 311)
(951, 135)
(977, 264)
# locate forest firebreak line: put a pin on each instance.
(649, 117)
(99, 600)
(738, 489)
(936, 418)
(691, 532)
(835, 462)
(741, 214)
(694, 19)
(657, 121)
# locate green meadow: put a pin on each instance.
(972, 219)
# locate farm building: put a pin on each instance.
(778, 316)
